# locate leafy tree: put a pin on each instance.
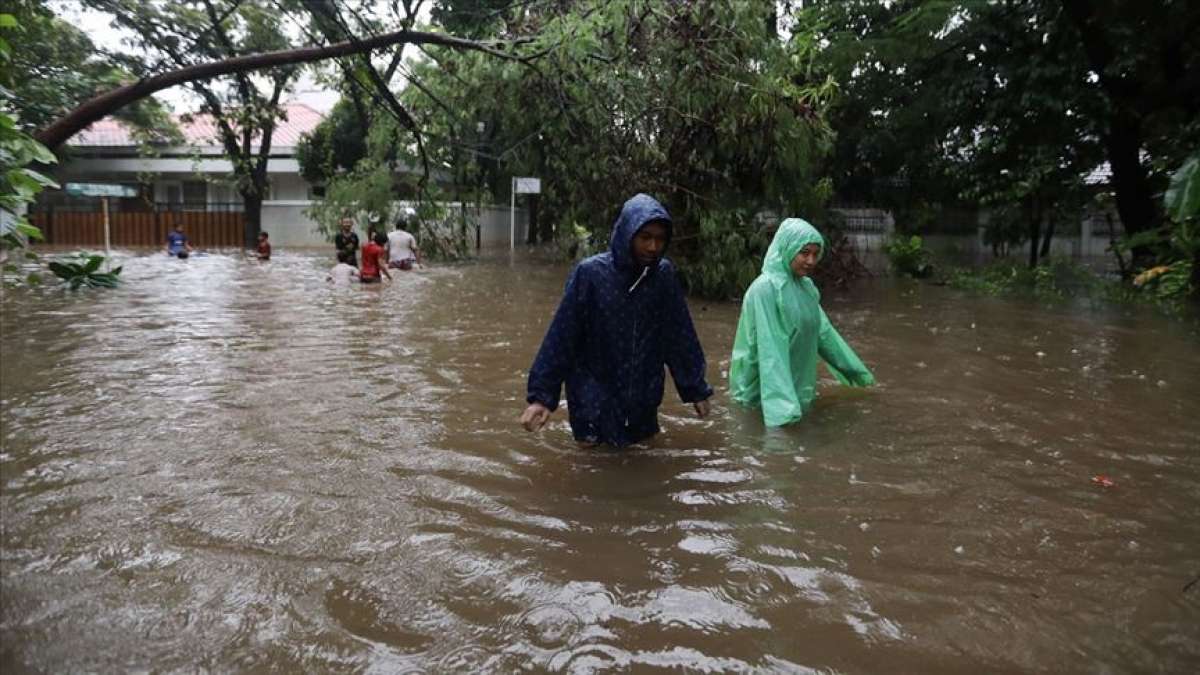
(1145, 60)
(471, 18)
(55, 67)
(335, 146)
(1011, 103)
(702, 104)
(19, 183)
(185, 34)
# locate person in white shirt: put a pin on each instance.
(402, 247)
(343, 273)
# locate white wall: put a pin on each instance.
(182, 165)
(288, 226)
(288, 187)
(494, 225)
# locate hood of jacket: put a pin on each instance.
(793, 234)
(639, 210)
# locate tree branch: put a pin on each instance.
(96, 108)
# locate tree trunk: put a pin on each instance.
(1112, 246)
(1035, 230)
(1134, 195)
(546, 223)
(252, 203)
(1196, 277)
(531, 234)
(1049, 235)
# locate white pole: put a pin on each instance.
(107, 241)
(512, 217)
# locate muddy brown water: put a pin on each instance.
(227, 466)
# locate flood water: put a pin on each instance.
(228, 465)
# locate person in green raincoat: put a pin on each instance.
(782, 331)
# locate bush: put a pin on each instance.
(908, 257)
(728, 255)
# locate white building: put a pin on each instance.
(192, 184)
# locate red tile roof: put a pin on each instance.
(200, 130)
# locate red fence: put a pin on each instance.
(204, 229)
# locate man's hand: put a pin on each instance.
(702, 408)
(535, 416)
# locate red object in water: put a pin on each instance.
(1103, 481)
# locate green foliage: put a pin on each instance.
(1004, 230)
(1167, 284)
(470, 18)
(367, 194)
(1171, 274)
(19, 184)
(702, 105)
(56, 67)
(1003, 103)
(445, 233)
(1182, 202)
(1182, 199)
(730, 258)
(1057, 279)
(334, 147)
(84, 270)
(908, 257)
(370, 193)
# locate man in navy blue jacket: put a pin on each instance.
(622, 318)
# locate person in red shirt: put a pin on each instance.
(374, 261)
(264, 246)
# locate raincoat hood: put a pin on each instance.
(639, 210)
(793, 234)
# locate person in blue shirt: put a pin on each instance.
(622, 319)
(177, 243)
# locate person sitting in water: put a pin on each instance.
(782, 330)
(343, 273)
(264, 246)
(403, 252)
(374, 261)
(177, 243)
(622, 318)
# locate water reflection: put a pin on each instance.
(233, 465)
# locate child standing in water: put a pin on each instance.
(374, 261)
(343, 272)
(782, 330)
(264, 246)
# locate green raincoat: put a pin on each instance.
(782, 331)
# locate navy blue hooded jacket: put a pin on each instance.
(618, 324)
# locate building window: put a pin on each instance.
(195, 195)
